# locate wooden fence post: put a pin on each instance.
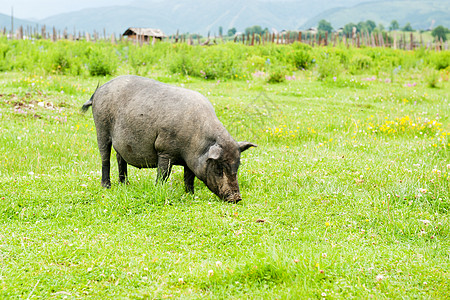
(404, 41)
(354, 36)
(20, 33)
(395, 40)
(54, 37)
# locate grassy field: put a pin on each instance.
(346, 195)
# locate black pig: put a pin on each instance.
(154, 125)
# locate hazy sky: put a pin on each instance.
(39, 9)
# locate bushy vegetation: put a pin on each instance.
(440, 33)
(229, 61)
(345, 197)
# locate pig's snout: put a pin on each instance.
(234, 198)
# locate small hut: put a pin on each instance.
(144, 34)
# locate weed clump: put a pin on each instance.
(328, 66)
(276, 75)
(431, 78)
(101, 63)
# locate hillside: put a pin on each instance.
(417, 12)
(5, 22)
(204, 16)
(194, 16)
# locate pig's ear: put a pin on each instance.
(214, 152)
(245, 145)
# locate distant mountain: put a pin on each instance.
(5, 23)
(203, 16)
(194, 16)
(421, 14)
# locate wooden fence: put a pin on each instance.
(396, 40)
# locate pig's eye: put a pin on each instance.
(218, 170)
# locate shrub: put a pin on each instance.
(25, 55)
(220, 62)
(301, 59)
(102, 62)
(328, 66)
(59, 61)
(359, 62)
(255, 63)
(217, 62)
(300, 56)
(4, 48)
(431, 77)
(342, 54)
(140, 59)
(277, 75)
(441, 60)
(181, 63)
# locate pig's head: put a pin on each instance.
(222, 167)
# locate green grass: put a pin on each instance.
(346, 195)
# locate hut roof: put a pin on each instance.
(145, 32)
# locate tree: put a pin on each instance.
(371, 25)
(231, 31)
(348, 29)
(220, 31)
(394, 25)
(362, 27)
(407, 27)
(367, 26)
(440, 32)
(256, 29)
(325, 26)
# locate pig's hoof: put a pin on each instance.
(106, 185)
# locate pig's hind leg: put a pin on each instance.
(104, 145)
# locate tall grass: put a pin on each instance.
(228, 61)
